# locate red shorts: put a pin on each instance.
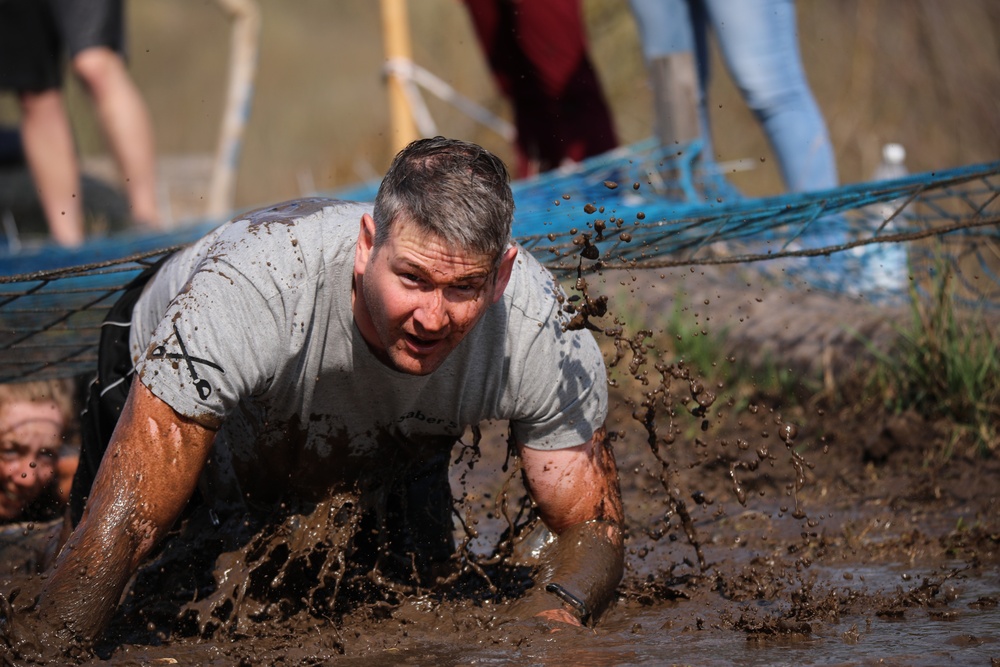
(537, 52)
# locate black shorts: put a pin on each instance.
(36, 34)
(29, 46)
(86, 23)
(108, 392)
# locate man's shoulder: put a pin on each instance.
(300, 234)
(273, 247)
(294, 211)
(533, 291)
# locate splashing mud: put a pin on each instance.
(765, 524)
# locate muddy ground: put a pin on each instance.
(761, 529)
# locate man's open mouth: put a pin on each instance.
(422, 345)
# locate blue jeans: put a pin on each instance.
(760, 47)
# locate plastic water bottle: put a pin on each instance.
(892, 166)
(885, 264)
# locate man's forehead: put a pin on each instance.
(414, 245)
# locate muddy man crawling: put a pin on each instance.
(313, 346)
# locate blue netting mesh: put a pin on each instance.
(876, 239)
(637, 207)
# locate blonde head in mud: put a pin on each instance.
(36, 420)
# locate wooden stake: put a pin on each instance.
(396, 35)
(675, 98)
(245, 15)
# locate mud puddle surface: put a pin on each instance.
(760, 531)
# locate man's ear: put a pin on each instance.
(366, 244)
(503, 272)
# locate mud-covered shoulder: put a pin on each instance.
(280, 247)
(534, 293)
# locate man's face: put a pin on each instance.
(416, 297)
(30, 435)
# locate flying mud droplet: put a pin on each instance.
(788, 433)
(589, 250)
(599, 227)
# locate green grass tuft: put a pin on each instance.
(945, 365)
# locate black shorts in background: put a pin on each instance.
(36, 35)
(30, 46)
(86, 23)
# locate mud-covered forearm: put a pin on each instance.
(82, 593)
(584, 568)
(77, 599)
(577, 495)
(147, 476)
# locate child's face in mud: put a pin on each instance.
(30, 435)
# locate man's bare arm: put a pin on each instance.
(578, 497)
(146, 477)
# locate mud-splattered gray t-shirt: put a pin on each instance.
(251, 331)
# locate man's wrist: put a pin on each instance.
(585, 568)
(577, 606)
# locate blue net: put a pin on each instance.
(634, 208)
(647, 207)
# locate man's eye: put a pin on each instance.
(409, 277)
(464, 292)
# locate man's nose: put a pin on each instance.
(432, 313)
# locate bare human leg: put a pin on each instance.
(51, 156)
(126, 121)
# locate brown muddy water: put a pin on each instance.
(760, 531)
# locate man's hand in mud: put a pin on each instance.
(539, 607)
(17, 640)
(25, 638)
(560, 616)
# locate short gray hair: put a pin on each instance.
(454, 189)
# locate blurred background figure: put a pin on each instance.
(38, 449)
(34, 37)
(759, 43)
(537, 52)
